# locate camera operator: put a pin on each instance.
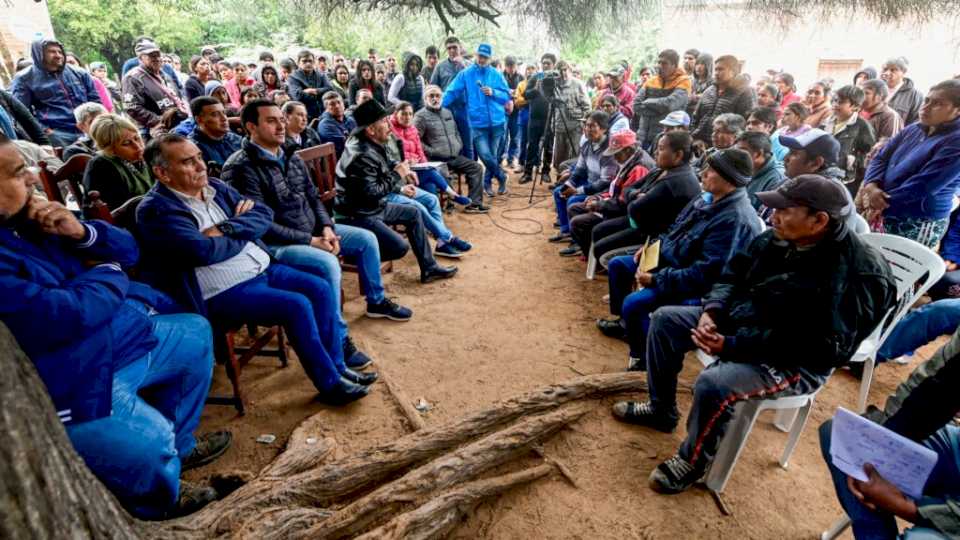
(573, 106)
(537, 129)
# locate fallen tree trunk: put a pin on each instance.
(440, 515)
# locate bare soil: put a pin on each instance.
(517, 316)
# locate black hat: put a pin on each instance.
(369, 113)
(810, 190)
(733, 164)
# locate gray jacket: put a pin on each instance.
(438, 133)
(907, 101)
(577, 105)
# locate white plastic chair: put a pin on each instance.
(792, 414)
(915, 268)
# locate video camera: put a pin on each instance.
(550, 84)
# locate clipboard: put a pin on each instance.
(649, 255)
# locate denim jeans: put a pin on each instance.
(429, 207)
(432, 182)
(563, 205)
(718, 388)
(462, 119)
(486, 143)
(944, 482)
(357, 246)
(513, 138)
(921, 326)
(302, 304)
(522, 123)
(157, 401)
(392, 245)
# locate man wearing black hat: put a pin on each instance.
(788, 310)
(367, 175)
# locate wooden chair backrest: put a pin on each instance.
(321, 161)
(65, 185)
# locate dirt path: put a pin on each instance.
(516, 317)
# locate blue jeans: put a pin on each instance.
(432, 181)
(463, 127)
(563, 206)
(429, 207)
(302, 303)
(513, 139)
(486, 142)
(523, 122)
(157, 401)
(357, 246)
(944, 482)
(921, 326)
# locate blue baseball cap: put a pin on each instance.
(485, 49)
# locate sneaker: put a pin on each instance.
(447, 250)
(571, 251)
(208, 448)
(545, 178)
(460, 244)
(642, 413)
(636, 364)
(675, 475)
(192, 497)
(526, 179)
(461, 200)
(342, 393)
(559, 237)
(476, 208)
(488, 192)
(352, 357)
(438, 272)
(388, 309)
(502, 190)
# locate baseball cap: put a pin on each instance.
(619, 141)
(676, 118)
(811, 190)
(485, 49)
(616, 71)
(817, 143)
(146, 47)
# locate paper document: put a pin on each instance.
(854, 441)
(650, 257)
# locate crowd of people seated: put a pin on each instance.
(727, 214)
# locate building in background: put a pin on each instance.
(811, 47)
(21, 21)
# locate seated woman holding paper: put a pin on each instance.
(921, 409)
(682, 265)
(429, 178)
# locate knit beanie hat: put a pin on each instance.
(733, 164)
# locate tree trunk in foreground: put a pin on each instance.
(415, 486)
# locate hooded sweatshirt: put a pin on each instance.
(408, 86)
(52, 95)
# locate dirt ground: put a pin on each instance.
(517, 317)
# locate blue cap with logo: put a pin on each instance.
(485, 49)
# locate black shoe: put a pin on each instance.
(526, 179)
(571, 251)
(352, 357)
(365, 379)
(388, 309)
(612, 328)
(545, 178)
(438, 272)
(344, 392)
(192, 498)
(675, 475)
(560, 237)
(209, 447)
(643, 414)
(476, 208)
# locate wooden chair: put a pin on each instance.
(65, 185)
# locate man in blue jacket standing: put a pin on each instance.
(486, 94)
(51, 89)
(127, 379)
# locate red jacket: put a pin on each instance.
(624, 96)
(410, 137)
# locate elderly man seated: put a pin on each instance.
(128, 378)
(788, 310)
(202, 245)
(368, 177)
(709, 230)
(85, 115)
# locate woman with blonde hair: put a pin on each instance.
(117, 172)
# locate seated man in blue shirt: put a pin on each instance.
(212, 131)
(335, 126)
(201, 242)
(128, 382)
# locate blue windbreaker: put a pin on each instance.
(482, 111)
